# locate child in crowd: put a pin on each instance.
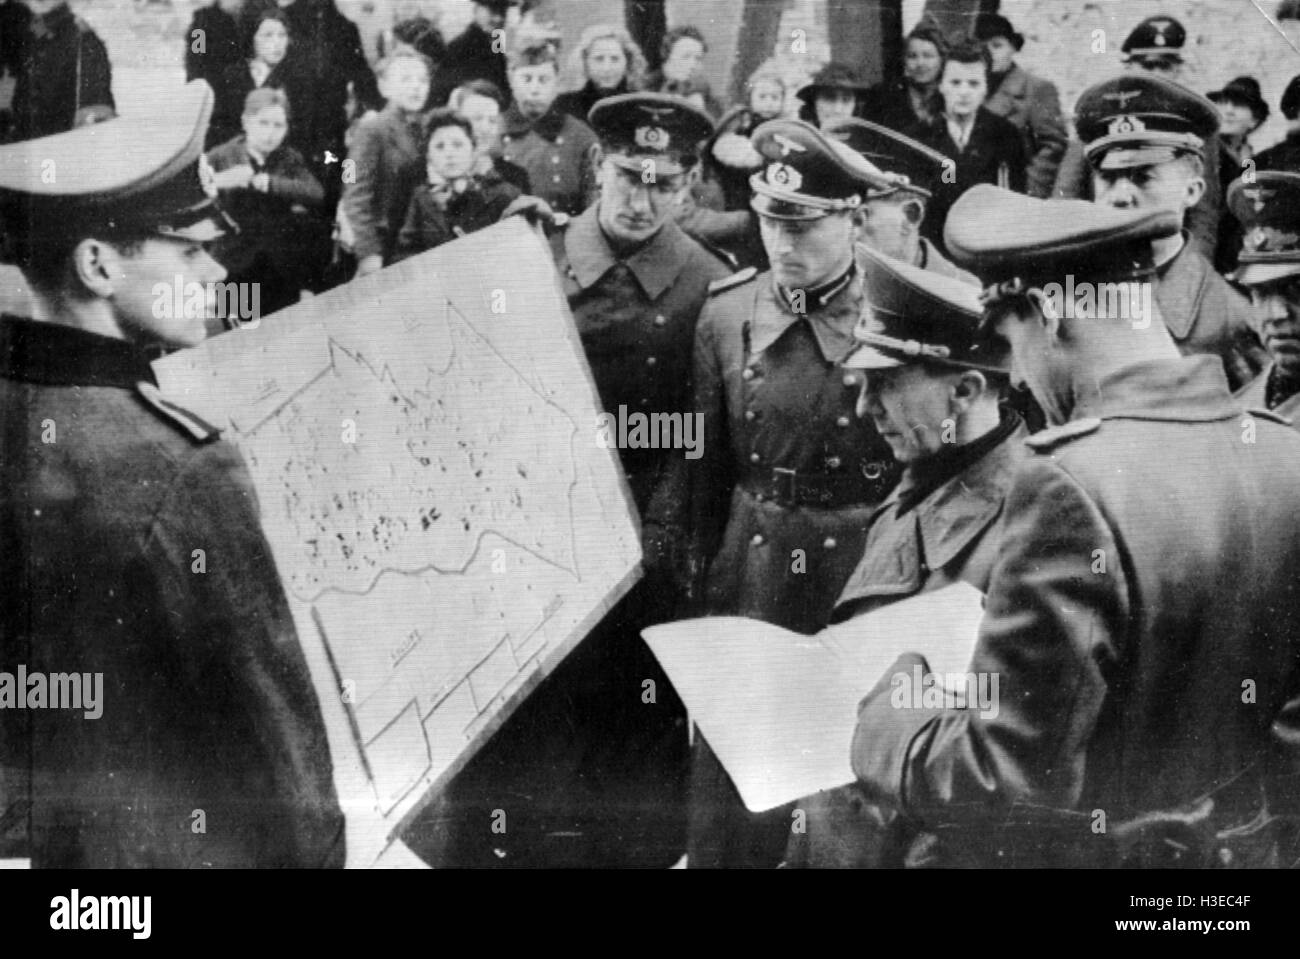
(268, 190)
(385, 160)
(456, 199)
(730, 159)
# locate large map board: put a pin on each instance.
(444, 521)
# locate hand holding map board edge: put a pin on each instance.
(779, 707)
(493, 304)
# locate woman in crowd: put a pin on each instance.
(267, 47)
(1243, 109)
(611, 62)
(834, 93)
(905, 103)
(683, 52)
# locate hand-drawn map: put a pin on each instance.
(445, 523)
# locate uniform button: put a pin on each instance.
(757, 540)
(754, 457)
(559, 141)
(833, 462)
(555, 159)
(651, 361)
(750, 415)
(850, 379)
(556, 178)
(645, 401)
(842, 421)
(747, 374)
(830, 542)
(659, 320)
(759, 497)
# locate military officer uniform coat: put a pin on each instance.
(133, 548)
(951, 534)
(1143, 616)
(1205, 314)
(636, 317)
(780, 501)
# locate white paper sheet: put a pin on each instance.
(779, 708)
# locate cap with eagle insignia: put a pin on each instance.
(638, 129)
(1268, 208)
(1140, 120)
(135, 176)
(914, 167)
(1157, 36)
(806, 174)
(1014, 242)
(914, 315)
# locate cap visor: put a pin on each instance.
(775, 209)
(1125, 158)
(870, 358)
(1252, 274)
(655, 165)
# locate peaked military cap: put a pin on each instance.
(914, 315)
(666, 129)
(136, 175)
(833, 76)
(1014, 242)
(806, 174)
(1158, 36)
(1139, 119)
(913, 166)
(1269, 212)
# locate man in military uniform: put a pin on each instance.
(1146, 138)
(892, 216)
(133, 548)
(778, 504)
(605, 769)
(1268, 209)
(1143, 613)
(932, 384)
(1155, 48)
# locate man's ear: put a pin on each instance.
(93, 266)
(967, 388)
(1195, 190)
(914, 211)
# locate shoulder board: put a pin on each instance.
(1062, 434)
(1271, 415)
(736, 279)
(719, 254)
(198, 429)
